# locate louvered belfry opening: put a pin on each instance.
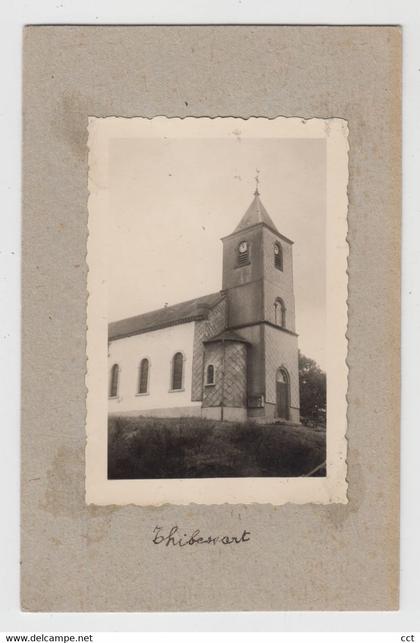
(177, 368)
(143, 376)
(243, 256)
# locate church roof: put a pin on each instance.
(226, 336)
(256, 213)
(191, 310)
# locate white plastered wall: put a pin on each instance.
(159, 346)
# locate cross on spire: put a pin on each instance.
(257, 183)
(256, 212)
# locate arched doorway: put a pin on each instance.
(282, 394)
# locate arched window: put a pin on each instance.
(243, 253)
(278, 256)
(177, 371)
(113, 386)
(282, 376)
(210, 374)
(280, 313)
(144, 376)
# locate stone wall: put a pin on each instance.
(229, 360)
(204, 329)
(281, 350)
(213, 394)
(256, 378)
(278, 283)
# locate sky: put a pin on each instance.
(171, 200)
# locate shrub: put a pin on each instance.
(196, 448)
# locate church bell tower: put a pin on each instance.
(258, 282)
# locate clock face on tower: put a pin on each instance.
(243, 247)
(276, 250)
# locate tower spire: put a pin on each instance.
(257, 183)
(256, 212)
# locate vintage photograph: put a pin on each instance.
(215, 245)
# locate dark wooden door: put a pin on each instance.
(282, 398)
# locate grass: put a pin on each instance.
(153, 448)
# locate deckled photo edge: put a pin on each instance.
(332, 488)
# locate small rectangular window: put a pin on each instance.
(210, 374)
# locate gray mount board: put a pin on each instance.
(79, 558)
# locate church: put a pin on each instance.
(231, 355)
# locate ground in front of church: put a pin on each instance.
(157, 448)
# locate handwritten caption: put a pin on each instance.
(178, 538)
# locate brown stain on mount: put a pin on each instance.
(65, 495)
(70, 122)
